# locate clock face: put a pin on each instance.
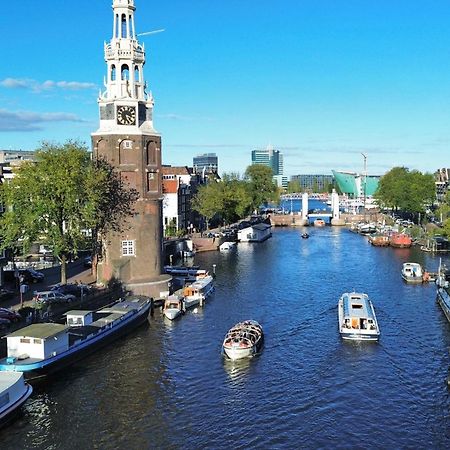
(126, 115)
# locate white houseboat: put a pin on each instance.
(255, 233)
(443, 290)
(197, 292)
(243, 340)
(412, 272)
(357, 320)
(13, 394)
(45, 347)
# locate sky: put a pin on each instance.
(323, 81)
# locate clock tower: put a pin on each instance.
(127, 139)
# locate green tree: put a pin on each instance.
(59, 197)
(409, 191)
(294, 187)
(208, 201)
(261, 187)
(236, 200)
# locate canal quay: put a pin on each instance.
(167, 386)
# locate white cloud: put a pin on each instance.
(31, 121)
(48, 85)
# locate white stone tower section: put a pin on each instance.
(127, 139)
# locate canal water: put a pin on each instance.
(166, 385)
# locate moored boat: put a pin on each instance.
(400, 240)
(173, 307)
(226, 246)
(319, 223)
(412, 273)
(379, 240)
(13, 394)
(357, 320)
(443, 290)
(243, 340)
(305, 235)
(197, 292)
(42, 348)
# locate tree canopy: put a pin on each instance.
(60, 199)
(409, 191)
(260, 184)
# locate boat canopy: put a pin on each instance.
(357, 305)
(39, 331)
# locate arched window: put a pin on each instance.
(113, 73)
(130, 21)
(124, 26)
(136, 74)
(125, 72)
(116, 27)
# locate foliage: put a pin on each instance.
(208, 200)
(60, 196)
(294, 187)
(409, 191)
(261, 187)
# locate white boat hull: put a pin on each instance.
(235, 353)
(172, 313)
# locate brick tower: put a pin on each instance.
(126, 138)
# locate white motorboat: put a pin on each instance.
(197, 292)
(226, 246)
(243, 340)
(13, 394)
(412, 272)
(357, 320)
(173, 307)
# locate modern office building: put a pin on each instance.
(206, 163)
(269, 157)
(281, 181)
(314, 183)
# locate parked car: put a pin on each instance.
(48, 297)
(76, 290)
(10, 315)
(87, 262)
(31, 276)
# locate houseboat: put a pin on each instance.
(443, 290)
(379, 240)
(255, 233)
(13, 394)
(173, 307)
(357, 320)
(227, 246)
(243, 340)
(412, 273)
(400, 240)
(42, 348)
(197, 292)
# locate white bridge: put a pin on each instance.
(334, 215)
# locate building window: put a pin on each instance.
(37, 341)
(113, 73)
(152, 182)
(125, 72)
(24, 341)
(128, 144)
(128, 248)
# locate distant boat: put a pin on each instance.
(243, 340)
(226, 246)
(305, 235)
(443, 290)
(13, 394)
(412, 273)
(400, 240)
(379, 240)
(319, 223)
(357, 320)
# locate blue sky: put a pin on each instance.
(320, 80)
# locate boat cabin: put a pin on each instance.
(37, 341)
(173, 302)
(357, 313)
(79, 318)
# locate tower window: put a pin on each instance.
(136, 74)
(124, 26)
(131, 26)
(113, 73)
(125, 72)
(128, 248)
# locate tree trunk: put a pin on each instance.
(63, 269)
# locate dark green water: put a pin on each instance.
(167, 386)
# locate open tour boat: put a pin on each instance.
(243, 340)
